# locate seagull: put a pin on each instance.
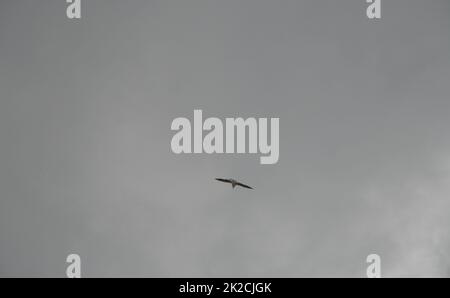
(233, 183)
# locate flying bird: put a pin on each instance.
(233, 183)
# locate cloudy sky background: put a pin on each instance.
(85, 159)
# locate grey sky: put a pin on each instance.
(85, 159)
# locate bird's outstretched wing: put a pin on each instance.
(223, 180)
(243, 185)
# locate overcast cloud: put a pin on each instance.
(86, 165)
